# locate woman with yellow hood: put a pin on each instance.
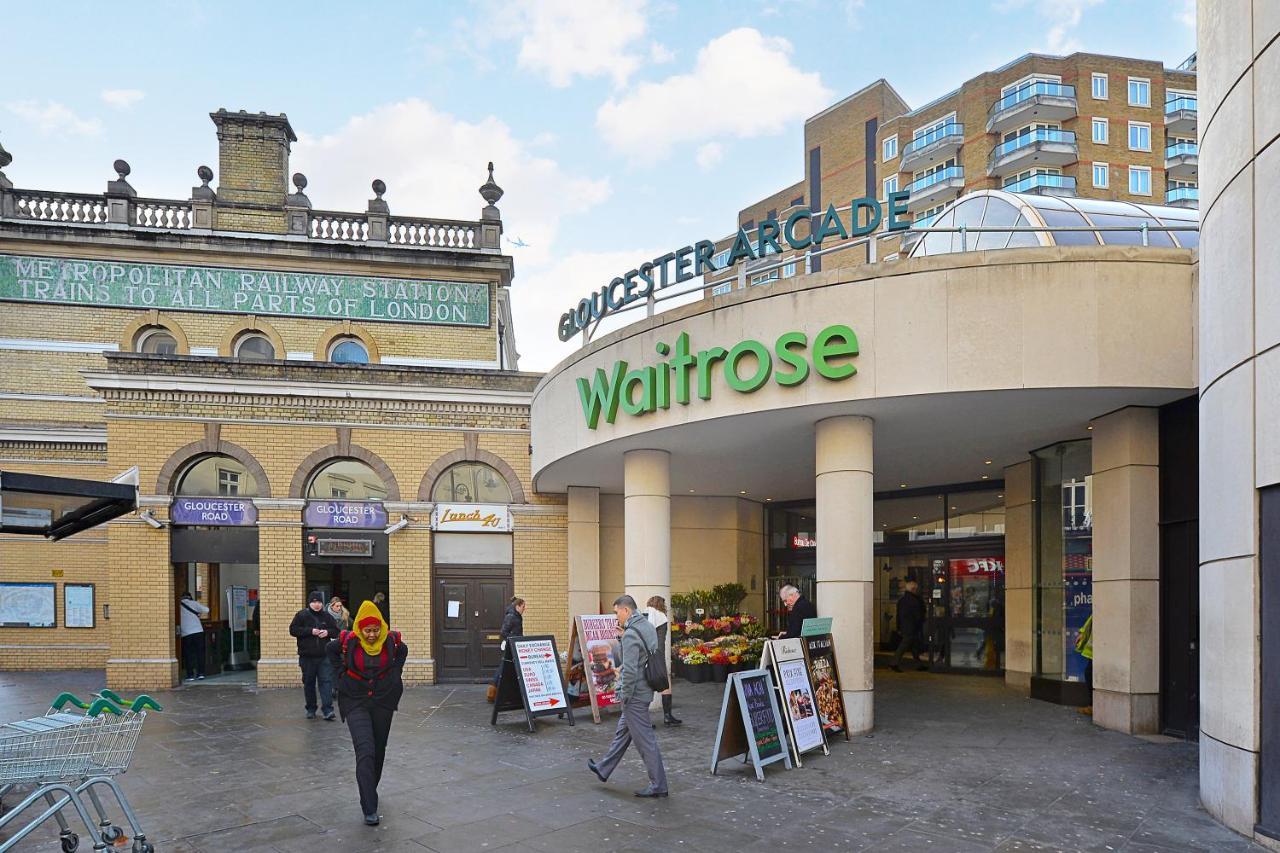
(367, 663)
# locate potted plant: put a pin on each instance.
(719, 660)
(696, 668)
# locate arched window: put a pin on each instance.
(155, 340)
(217, 475)
(255, 347)
(347, 479)
(471, 482)
(349, 351)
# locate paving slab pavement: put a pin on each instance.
(956, 763)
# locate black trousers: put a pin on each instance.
(317, 672)
(911, 641)
(370, 727)
(193, 654)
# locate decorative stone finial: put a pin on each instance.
(120, 186)
(5, 157)
(204, 192)
(378, 187)
(377, 204)
(205, 174)
(490, 191)
(298, 198)
(122, 168)
(299, 181)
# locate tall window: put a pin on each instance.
(1140, 180)
(1139, 92)
(890, 185)
(1100, 175)
(1100, 87)
(217, 475)
(1064, 562)
(1139, 136)
(889, 149)
(1101, 131)
(347, 478)
(471, 482)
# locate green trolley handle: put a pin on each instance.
(142, 701)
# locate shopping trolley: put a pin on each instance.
(63, 756)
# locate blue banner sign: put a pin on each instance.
(344, 514)
(215, 512)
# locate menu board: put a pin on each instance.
(77, 605)
(826, 683)
(750, 723)
(530, 680)
(28, 605)
(797, 697)
(595, 661)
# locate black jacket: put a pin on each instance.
(803, 610)
(364, 681)
(910, 614)
(512, 624)
(309, 645)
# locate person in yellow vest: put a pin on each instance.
(1084, 645)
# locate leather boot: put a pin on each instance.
(667, 717)
(491, 693)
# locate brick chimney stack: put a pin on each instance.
(253, 171)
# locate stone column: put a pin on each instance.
(846, 568)
(647, 519)
(282, 589)
(143, 652)
(1019, 570)
(409, 594)
(1126, 571)
(584, 550)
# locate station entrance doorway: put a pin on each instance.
(218, 567)
(351, 564)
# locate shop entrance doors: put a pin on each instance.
(469, 605)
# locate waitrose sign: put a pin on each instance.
(746, 367)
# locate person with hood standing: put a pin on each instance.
(656, 612)
(314, 628)
(368, 663)
(639, 640)
(512, 626)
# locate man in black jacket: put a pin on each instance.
(314, 628)
(910, 626)
(799, 609)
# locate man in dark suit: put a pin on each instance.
(799, 609)
(911, 616)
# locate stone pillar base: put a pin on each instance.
(1228, 788)
(859, 705)
(1131, 713)
(1020, 681)
(142, 675)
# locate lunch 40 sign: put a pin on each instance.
(114, 284)
(746, 367)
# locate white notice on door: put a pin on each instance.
(455, 609)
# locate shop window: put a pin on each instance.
(255, 347)
(217, 475)
(975, 514)
(349, 351)
(347, 479)
(471, 482)
(1064, 558)
(156, 340)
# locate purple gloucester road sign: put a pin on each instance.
(220, 512)
(363, 514)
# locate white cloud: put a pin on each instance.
(53, 117)
(709, 155)
(122, 99)
(659, 54)
(1186, 15)
(1062, 16)
(433, 163)
(743, 84)
(564, 39)
(853, 13)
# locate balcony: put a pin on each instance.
(1041, 147)
(1180, 116)
(1182, 161)
(933, 189)
(936, 146)
(1043, 185)
(1040, 100)
(1183, 197)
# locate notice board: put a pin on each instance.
(530, 680)
(750, 724)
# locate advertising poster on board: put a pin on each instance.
(826, 683)
(595, 661)
(801, 708)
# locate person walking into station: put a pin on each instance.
(192, 630)
(314, 628)
(910, 626)
(639, 641)
(656, 612)
(341, 615)
(368, 663)
(799, 609)
(512, 626)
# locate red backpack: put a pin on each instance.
(388, 654)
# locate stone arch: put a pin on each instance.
(347, 329)
(211, 445)
(226, 348)
(154, 319)
(471, 453)
(334, 452)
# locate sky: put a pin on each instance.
(619, 130)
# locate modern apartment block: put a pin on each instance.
(1084, 125)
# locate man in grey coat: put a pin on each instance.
(639, 640)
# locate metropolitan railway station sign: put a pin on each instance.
(116, 284)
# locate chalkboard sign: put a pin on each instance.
(750, 724)
(530, 680)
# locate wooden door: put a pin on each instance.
(469, 608)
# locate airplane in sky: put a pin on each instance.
(517, 242)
